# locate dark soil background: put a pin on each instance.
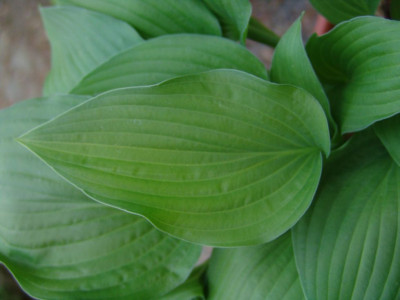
(25, 60)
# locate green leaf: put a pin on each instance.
(234, 16)
(154, 17)
(192, 288)
(61, 245)
(167, 57)
(337, 11)
(359, 61)
(348, 244)
(258, 32)
(388, 132)
(266, 272)
(395, 9)
(80, 41)
(219, 158)
(291, 65)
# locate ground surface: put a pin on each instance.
(25, 59)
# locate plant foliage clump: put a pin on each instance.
(159, 133)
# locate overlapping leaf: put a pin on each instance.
(81, 40)
(234, 16)
(154, 17)
(61, 245)
(359, 62)
(266, 272)
(166, 57)
(388, 132)
(348, 244)
(192, 288)
(258, 32)
(291, 65)
(337, 11)
(219, 158)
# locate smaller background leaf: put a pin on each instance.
(337, 11)
(291, 65)
(80, 41)
(388, 132)
(266, 272)
(153, 18)
(234, 16)
(167, 57)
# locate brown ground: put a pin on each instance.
(25, 58)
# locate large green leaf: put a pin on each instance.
(337, 11)
(166, 57)
(389, 133)
(348, 244)
(220, 158)
(291, 65)
(234, 16)
(80, 41)
(359, 61)
(266, 272)
(61, 245)
(154, 17)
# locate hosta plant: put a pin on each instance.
(159, 133)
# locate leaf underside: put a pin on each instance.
(167, 57)
(347, 246)
(81, 40)
(359, 62)
(60, 244)
(219, 158)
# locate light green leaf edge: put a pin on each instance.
(234, 16)
(219, 158)
(266, 272)
(359, 61)
(152, 18)
(167, 57)
(81, 40)
(291, 65)
(61, 245)
(347, 246)
(337, 11)
(388, 132)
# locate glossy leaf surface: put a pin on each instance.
(359, 62)
(348, 244)
(291, 65)
(337, 11)
(234, 16)
(81, 40)
(60, 244)
(388, 132)
(219, 158)
(154, 17)
(167, 57)
(266, 272)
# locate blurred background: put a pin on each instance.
(25, 60)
